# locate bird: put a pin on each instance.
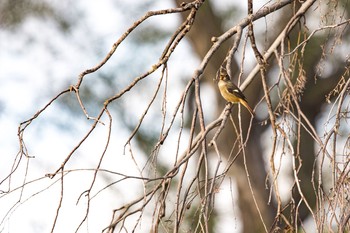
(230, 92)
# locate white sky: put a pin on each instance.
(36, 63)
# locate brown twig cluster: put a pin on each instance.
(188, 185)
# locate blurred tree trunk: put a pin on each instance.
(200, 37)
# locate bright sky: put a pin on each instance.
(37, 61)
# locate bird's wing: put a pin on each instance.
(235, 91)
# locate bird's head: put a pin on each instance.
(222, 74)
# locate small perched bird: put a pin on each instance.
(230, 91)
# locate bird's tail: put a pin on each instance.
(245, 104)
